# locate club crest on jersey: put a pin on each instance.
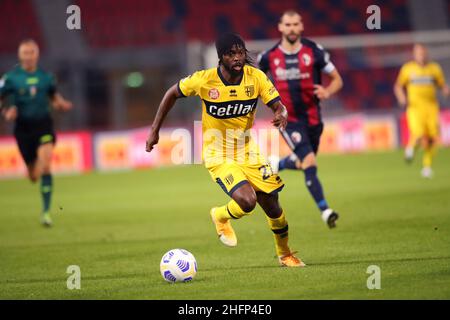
(272, 90)
(214, 94)
(230, 109)
(229, 179)
(306, 59)
(33, 91)
(276, 61)
(250, 91)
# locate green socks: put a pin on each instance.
(46, 191)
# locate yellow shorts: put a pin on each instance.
(423, 122)
(232, 175)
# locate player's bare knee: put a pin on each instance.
(247, 201)
(245, 197)
(33, 177)
(33, 173)
(45, 164)
(46, 169)
(308, 165)
(270, 204)
(423, 143)
(249, 204)
(273, 210)
(309, 161)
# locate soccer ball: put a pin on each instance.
(178, 265)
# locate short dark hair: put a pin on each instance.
(225, 43)
(290, 12)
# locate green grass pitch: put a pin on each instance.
(117, 226)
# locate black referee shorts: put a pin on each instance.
(32, 134)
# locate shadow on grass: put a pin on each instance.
(61, 279)
(253, 267)
(331, 263)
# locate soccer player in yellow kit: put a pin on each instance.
(421, 77)
(229, 95)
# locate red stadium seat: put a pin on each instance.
(21, 15)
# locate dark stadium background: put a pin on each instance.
(155, 38)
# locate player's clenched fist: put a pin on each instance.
(280, 115)
(153, 138)
(321, 92)
(10, 113)
(280, 120)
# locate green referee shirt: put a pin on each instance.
(30, 92)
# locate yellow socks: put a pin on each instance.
(279, 227)
(231, 210)
(428, 156)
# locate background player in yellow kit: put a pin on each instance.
(229, 95)
(421, 77)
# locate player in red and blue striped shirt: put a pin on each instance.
(296, 65)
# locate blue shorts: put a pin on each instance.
(303, 139)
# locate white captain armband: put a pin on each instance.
(329, 68)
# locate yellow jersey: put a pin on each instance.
(421, 83)
(228, 110)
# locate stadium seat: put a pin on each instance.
(18, 13)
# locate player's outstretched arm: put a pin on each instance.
(166, 104)
(59, 103)
(9, 113)
(280, 115)
(2, 107)
(335, 85)
(400, 94)
(445, 91)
